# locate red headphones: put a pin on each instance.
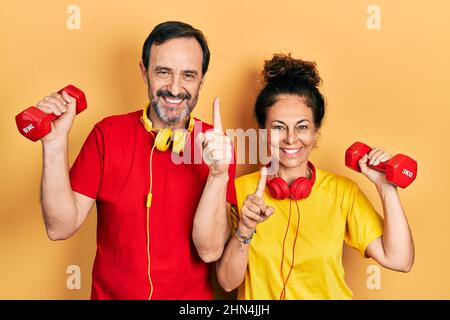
(299, 189)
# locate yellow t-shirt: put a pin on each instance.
(335, 211)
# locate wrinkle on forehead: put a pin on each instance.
(290, 109)
(180, 55)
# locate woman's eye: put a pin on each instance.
(302, 127)
(278, 127)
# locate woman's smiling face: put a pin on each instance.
(292, 133)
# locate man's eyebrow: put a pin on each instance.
(191, 71)
(188, 71)
(159, 68)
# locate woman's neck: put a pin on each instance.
(291, 174)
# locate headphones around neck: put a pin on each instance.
(299, 189)
(166, 135)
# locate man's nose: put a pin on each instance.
(175, 86)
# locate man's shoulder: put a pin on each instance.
(131, 118)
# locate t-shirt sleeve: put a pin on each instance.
(87, 170)
(363, 224)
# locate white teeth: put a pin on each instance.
(174, 101)
(290, 151)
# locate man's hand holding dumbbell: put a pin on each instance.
(50, 121)
(62, 105)
(53, 116)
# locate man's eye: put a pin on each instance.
(162, 73)
(189, 76)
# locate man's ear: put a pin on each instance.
(201, 82)
(143, 72)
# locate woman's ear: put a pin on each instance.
(316, 138)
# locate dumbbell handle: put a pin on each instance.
(76, 93)
(357, 151)
(51, 116)
(379, 167)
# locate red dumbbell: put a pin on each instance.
(401, 170)
(34, 123)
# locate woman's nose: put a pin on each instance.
(291, 137)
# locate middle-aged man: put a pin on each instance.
(160, 222)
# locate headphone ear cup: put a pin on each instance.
(300, 188)
(278, 188)
(162, 140)
(179, 141)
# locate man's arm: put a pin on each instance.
(64, 210)
(211, 228)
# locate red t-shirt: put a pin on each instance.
(113, 168)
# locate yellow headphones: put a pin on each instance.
(165, 135)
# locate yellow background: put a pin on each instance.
(388, 88)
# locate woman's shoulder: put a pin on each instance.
(248, 179)
(327, 178)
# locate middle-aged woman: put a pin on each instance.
(291, 225)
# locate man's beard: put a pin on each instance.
(164, 113)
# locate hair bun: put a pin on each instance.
(283, 67)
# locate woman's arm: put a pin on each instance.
(395, 249)
(232, 265)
